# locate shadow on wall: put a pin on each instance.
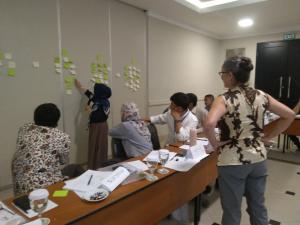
(81, 132)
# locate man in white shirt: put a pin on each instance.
(201, 113)
(178, 118)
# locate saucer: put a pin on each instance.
(96, 195)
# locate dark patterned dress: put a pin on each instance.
(243, 125)
(41, 153)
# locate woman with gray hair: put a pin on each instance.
(133, 131)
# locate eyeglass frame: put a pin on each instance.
(222, 72)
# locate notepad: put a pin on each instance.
(61, 193)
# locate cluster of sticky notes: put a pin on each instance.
(60, 193)
(132, 76)
(99, 71)
(66, 64)
(8, 64)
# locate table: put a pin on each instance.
(138, 203)
(293, 129)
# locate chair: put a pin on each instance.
(154, 136)
(118, 151)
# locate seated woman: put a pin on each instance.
(42, 151)
(134, 133)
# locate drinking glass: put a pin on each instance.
(152, 165)
(38, 202)
(163, 155)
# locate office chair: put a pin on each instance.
(118, 151)
(154, 136)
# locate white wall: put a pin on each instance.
(249, 44)
(36, 30)
(179, 60)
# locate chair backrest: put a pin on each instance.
(154, 136)
(118, 151)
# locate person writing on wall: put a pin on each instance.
(98, 128)
(242, 168)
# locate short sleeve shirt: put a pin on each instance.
(243, 126)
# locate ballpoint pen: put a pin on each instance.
(90, 179)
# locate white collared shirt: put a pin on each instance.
(189, 120)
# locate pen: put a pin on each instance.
(90, 179)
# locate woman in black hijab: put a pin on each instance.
(98, 129)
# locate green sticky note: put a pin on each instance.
(1, 55)
(67, 65)
(56, 60)
(11, 72)
(64, 52)
(61, 193)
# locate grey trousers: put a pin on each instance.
(243, 180)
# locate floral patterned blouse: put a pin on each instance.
(41, 153)
(243, 126)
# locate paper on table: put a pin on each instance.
(80, 184)
(153, 156)
(8, 217)
(30, 213)
(194, 155)
(35, 222)
(116, 178)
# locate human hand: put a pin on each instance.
(78, 84)
(176, 115)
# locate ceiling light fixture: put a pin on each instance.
(246, 22)
(202, 5)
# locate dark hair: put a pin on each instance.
(240, 66)
(47, 115)
(192, 98)
(209, 96)
(180, 99)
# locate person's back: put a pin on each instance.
(136, 138)
(41, 153)
(243, 125)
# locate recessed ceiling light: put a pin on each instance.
(206, 4)
(247, 22)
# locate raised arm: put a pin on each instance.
(80, 87)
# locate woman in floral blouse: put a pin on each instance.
(42, 151)
(239, 113)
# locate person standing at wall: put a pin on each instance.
(98, 128)
(242, 168)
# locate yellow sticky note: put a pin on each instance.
(11, 72)
(61, 193)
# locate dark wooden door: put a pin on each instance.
(271, 69)
(293, 82)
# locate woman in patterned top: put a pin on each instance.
(239, 113)
(42, 151)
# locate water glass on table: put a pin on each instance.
(152, 165)
(38, 202)
(163, 155)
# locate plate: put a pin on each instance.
(96, 195)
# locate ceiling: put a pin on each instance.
(270, 16)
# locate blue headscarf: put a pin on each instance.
(100, 98)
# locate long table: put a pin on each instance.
(138, 203)
(293, 129)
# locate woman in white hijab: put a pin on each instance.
(133, 131)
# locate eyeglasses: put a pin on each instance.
(222, 72)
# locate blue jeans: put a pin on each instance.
(243, 180)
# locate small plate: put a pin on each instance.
(96, 195)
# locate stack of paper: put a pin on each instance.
(154, 156)
(116, 178)
(87, 181)
(194, 155)
(8, 217)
